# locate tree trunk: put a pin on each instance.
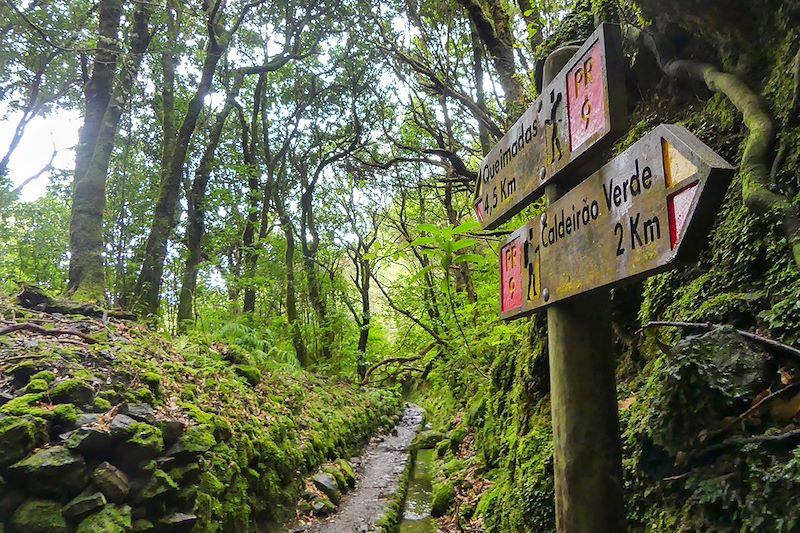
(497, 35)
(363, 334)
(165, 217)
(291, 296)
(196, 210)
(310, 249)
(480, 93)
(86, 268)
(249, 144)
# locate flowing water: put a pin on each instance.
(417, 511)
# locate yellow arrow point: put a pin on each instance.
(676, 167)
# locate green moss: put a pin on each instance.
(26, 405)
(161, 483)
(36, 385)
(73, 390)
(142, 395)
(153, 382)
(46, 375)
(146, 436)
(101, 404)
(65, 414)
(19, 436)
(39, 516)
(444, 495)
(111, 519)
(251, 374)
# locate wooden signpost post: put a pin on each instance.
(643, 212)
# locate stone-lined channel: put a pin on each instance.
(417, 511)
(379, 472)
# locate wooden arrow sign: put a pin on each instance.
(579, 114)
(647, 210)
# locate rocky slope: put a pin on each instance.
(105, 426)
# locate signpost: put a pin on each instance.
(645, 211)
(578, 115)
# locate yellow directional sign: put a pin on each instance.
(561, 135)
(645, 211)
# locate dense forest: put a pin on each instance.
(263, 243)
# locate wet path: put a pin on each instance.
(381, 466)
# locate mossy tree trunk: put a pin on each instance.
(165, 216)
(291, 294)
(196, 209)
(105, 100)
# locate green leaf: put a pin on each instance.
(466, 227)
(468, 258)
(424, 241)
(463, 243)
(428, 228)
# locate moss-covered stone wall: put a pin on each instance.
(137, 432)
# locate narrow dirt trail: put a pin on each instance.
(381, 465)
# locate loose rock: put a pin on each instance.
(178, 522)
(121, 426)
(139, 411)
(111, 481)
(322, 507)
(84, 504)
(327, 484)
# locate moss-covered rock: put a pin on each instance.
(337, 474)
(322, 506)
(327, 484)
(456, 437)
(427, 439)
(39, 516)
(84, 504)
(24, 371)
(76, 391)
(347, 472)
(158, 485)
(251, 374)
(145, 443)
(19, 435)
(53, 471)
(36, 385)
(195, 440)
(142, 525)
(111, 519)
(443, 496)
(46, 375)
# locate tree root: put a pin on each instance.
(790, 351)
(48, 332)
(754, 169)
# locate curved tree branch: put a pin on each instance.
(754, 169)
